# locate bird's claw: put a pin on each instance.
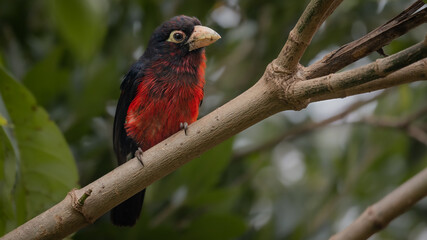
(184, 125)
(138, 155)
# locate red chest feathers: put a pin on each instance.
(167, 96)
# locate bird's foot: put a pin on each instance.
(184, 125)
(138, 155)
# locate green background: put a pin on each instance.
(61, 63)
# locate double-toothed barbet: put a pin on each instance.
(160, 95)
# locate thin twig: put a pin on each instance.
(304, 129)
(418, 134)
(397, 123)
(83, 198)
(405, 124)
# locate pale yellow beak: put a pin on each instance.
(202, 37)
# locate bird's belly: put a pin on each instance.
(160, 118)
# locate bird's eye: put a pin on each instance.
(176, 36)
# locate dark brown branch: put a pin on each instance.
(369, 43)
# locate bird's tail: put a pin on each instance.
(128, 211)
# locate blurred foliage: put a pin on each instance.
(37, 166)
(71, 56)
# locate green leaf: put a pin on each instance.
(7, 180)
(9, 160)
(199, 175)
(82, 24)
(1, 59)
(203, 173)
(99, 86)
(47, 80)
(217, 200)
(212, 197)
(44, 166)
(215, 226)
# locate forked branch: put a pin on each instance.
(369, 43)
(319, 88)
(300, 36)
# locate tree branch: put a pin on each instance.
(259, 102)
(414, 72)
(378, 216)
(369, 43)
(325, 87)
(300, 36)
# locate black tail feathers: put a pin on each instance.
(128, 211)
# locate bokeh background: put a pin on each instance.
(61, 67)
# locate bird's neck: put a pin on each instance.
(182, 71)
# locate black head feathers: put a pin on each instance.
(179, 37)
(182, 22)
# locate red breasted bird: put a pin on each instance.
(160, 95)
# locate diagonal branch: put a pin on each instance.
(369, 43)
(418, 133)
(379, 215)
(405, 124)
(300, 36)
(400, 123)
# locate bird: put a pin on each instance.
(160, 95)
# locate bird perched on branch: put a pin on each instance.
(160, 95)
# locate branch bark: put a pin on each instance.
(300, 37)
(331, 84)
(414, 72)
(379, 215)
(282, 87)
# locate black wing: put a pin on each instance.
(126, 213)
(123, 145)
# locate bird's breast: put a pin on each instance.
(164, 100)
